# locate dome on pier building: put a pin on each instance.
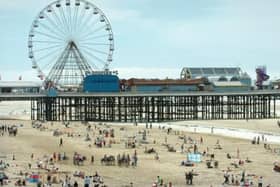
(225, 76)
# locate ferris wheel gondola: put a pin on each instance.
(68, 40)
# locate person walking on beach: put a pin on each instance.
(243, 176)
(182, 148)
(156, 156)
(92, 159)
(60, 142)
(195, 148)
(191, 177)
(187, 178)
(87, 182)
(75, 184)
(226, 176)
(232, 179)
(238, 152)
(260, 181)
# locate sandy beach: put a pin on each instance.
(41, 142)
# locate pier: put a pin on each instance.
(152, 107)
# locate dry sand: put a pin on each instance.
(40, 143)
(30, 140)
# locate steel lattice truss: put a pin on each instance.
(70, 68)
(68, 40)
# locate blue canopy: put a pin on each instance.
(194, 157)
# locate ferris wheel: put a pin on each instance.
(68, 40)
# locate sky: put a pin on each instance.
(156, 38)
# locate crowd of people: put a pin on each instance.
(102, 134)
(10, 130)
